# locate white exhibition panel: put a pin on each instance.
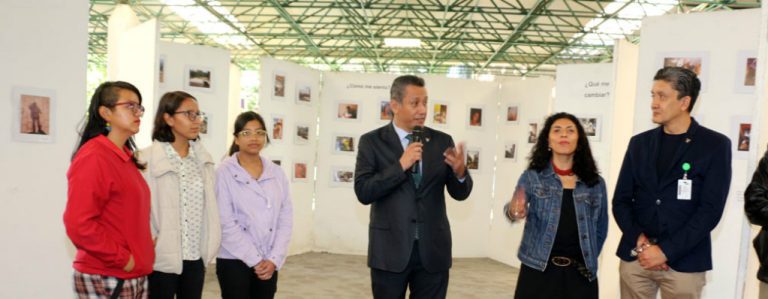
(720, 40)
(533, 99)
(135, 63)
(299, 115)
(215, 101)
(585, 90)
(44, 46)
(341, 222)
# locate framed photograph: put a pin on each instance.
(34, 116)
(473, 158)
(278, 86)
(348, 111)
(385, 111)
(198, 78)
(302, 134)
(204, 124)
(440, 113)
(533, 132)
(343, 144)
(278, 124)
(592, 126)
(741, 137)
(161, 71)
(510, 151)
(475, 117)
(513, 113)
(299, 172)
(698, 62)
(342, 176)
(303, 94)
(746, 71)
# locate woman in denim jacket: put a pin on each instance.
(564, 200)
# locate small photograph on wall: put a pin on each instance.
(33, 115)
(302, 134)
(746, 72)
(513, 111)
(385, 111)
(303, 94)
(741, 137)
(343, 144)
(300, 171)
(204, 124)
(473, 158)
(745, 131)
(440, 113)
(161, 71)
(342, 176)
(533, 132)
(347, 111)
(279, 88)
(475, 119)
(510, 151)
(278, 124)
(591, 126)
(199, 78)
(698, 62)
(691, 63)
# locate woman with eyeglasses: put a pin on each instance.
(107, 212)
(256, 214)
(564, 201)
(184, 214)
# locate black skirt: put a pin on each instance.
(554, 283)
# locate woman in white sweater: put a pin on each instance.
(184, 215)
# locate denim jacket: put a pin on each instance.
(544, 192)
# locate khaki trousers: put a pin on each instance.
(763, 290)
(638, 283)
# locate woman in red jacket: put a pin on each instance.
(107, 213)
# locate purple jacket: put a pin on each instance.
(256, 215)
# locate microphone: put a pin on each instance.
(417, 137)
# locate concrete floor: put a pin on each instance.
(338, 276)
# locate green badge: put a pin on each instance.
(686, 166)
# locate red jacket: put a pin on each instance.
(107, 214)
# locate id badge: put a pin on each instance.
(684, 188)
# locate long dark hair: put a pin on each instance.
(242, 120)
(583, 162)
(105, 95)
(169, 102)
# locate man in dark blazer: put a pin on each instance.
(409, 237)
(670, 195)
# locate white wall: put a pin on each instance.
(625, 57)
(534, 99)
(44, 45)
(215, 103)
(289, 150)
(719, 37)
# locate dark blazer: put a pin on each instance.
(397, 206)
(646, 203)
(756, 208)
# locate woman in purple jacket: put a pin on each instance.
(255, 212)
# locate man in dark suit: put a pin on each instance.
(670, 195)
(409, 237)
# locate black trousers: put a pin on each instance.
(554, 282)
(423, 284)
(238, 281)
(187, 285)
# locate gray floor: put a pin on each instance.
(326, 276)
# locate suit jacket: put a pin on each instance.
(397, 206)
(646, 203)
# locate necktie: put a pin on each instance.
(416, 176)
